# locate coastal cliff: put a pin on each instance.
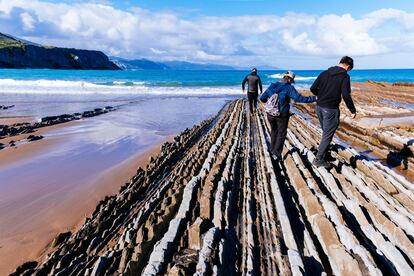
(15, 53)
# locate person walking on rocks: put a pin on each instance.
(277, 99)
(254, 83)
(330, 85)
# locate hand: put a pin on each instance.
(353, 115)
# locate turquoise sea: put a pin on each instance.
(162, 81)
(41, 92)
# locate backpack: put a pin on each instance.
(272, 105)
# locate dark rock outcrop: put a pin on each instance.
(60, 238)
(23, 128)
(32, 138)
(5, 107)
(24, 268)
(15, 53)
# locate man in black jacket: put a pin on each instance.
(329, 87)
(254, 83)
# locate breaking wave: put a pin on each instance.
(113, 87)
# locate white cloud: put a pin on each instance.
(404, 18)
(139, 33)
(28, 21)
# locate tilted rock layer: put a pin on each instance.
(214, 202)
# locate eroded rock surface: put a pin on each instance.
(214, 203)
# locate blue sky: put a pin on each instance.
(262, 7)
(288, 34)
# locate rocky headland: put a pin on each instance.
(15, 53)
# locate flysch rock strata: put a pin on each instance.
(213, 202)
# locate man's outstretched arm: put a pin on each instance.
(315, 86)
(346, 94)
(294, 95)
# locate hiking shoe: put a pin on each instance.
(321, 163)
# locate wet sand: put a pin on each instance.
(15, 120)
(26, 149)
(29, 237)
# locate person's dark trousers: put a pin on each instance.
(252, 96)
(329, 120)
(278, 132)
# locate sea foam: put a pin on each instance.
(43, 86)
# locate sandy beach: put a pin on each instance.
(15, 120)
(30, 237)
(25, 149)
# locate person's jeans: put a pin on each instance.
(329, 120)
(252, 96)
(278, 132)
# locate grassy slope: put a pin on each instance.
(9, 42)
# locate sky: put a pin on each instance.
(299, 34)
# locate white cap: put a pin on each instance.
(290, 74)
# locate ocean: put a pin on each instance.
(43, 81)
(42, 92)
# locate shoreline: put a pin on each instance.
(32, 243)
(24, 150)
(80, 204)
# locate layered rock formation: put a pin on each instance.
(214, 203)
(384, 125)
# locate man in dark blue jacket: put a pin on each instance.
(279, 124)
(330, 86)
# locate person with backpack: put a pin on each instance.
(330, 86)
(254, 83)
(277, 99)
